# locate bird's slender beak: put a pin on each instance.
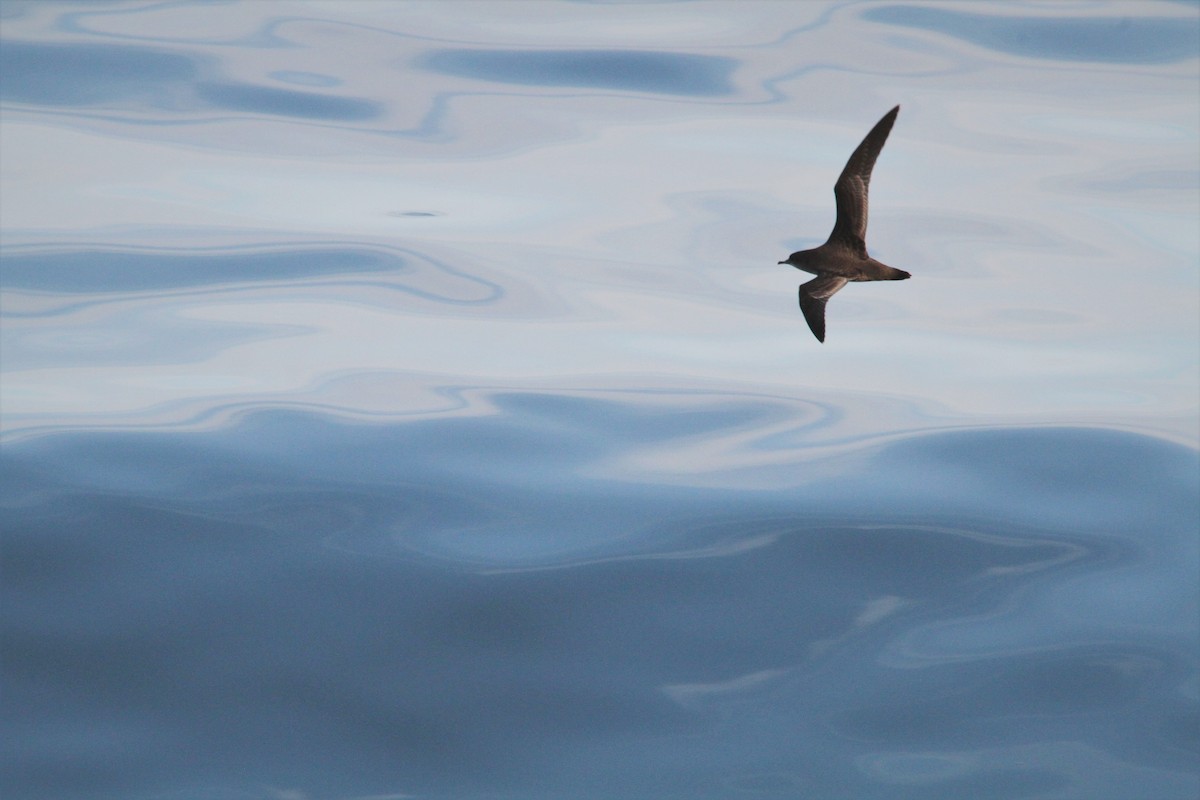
(782, 262)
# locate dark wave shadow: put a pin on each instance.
(125, 271)
(104, 272)
(1123, 39)
(89, 74)
(56, 74)
(256, 99)
(683, 74)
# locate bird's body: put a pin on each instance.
(843, 258)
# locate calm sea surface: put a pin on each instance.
(403, 400)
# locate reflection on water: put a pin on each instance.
(403, 400)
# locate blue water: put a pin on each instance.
(403, 400)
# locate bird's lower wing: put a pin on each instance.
(813, 296)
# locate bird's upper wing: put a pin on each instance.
(812, 301)
(850, 231)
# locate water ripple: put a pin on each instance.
(96, 273)
(643, 71)
(1121, 39)
(89, 74)
(613, 610)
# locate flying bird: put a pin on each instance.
(843, 257)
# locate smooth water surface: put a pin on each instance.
(403, 400)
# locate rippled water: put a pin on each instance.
(403, 400)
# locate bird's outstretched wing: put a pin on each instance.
(850, 230)
(813, 296)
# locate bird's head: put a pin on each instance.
(799, 259)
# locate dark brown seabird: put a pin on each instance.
(843, 257)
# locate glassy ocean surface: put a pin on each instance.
(403, 400)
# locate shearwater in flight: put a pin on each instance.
(843, 257)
